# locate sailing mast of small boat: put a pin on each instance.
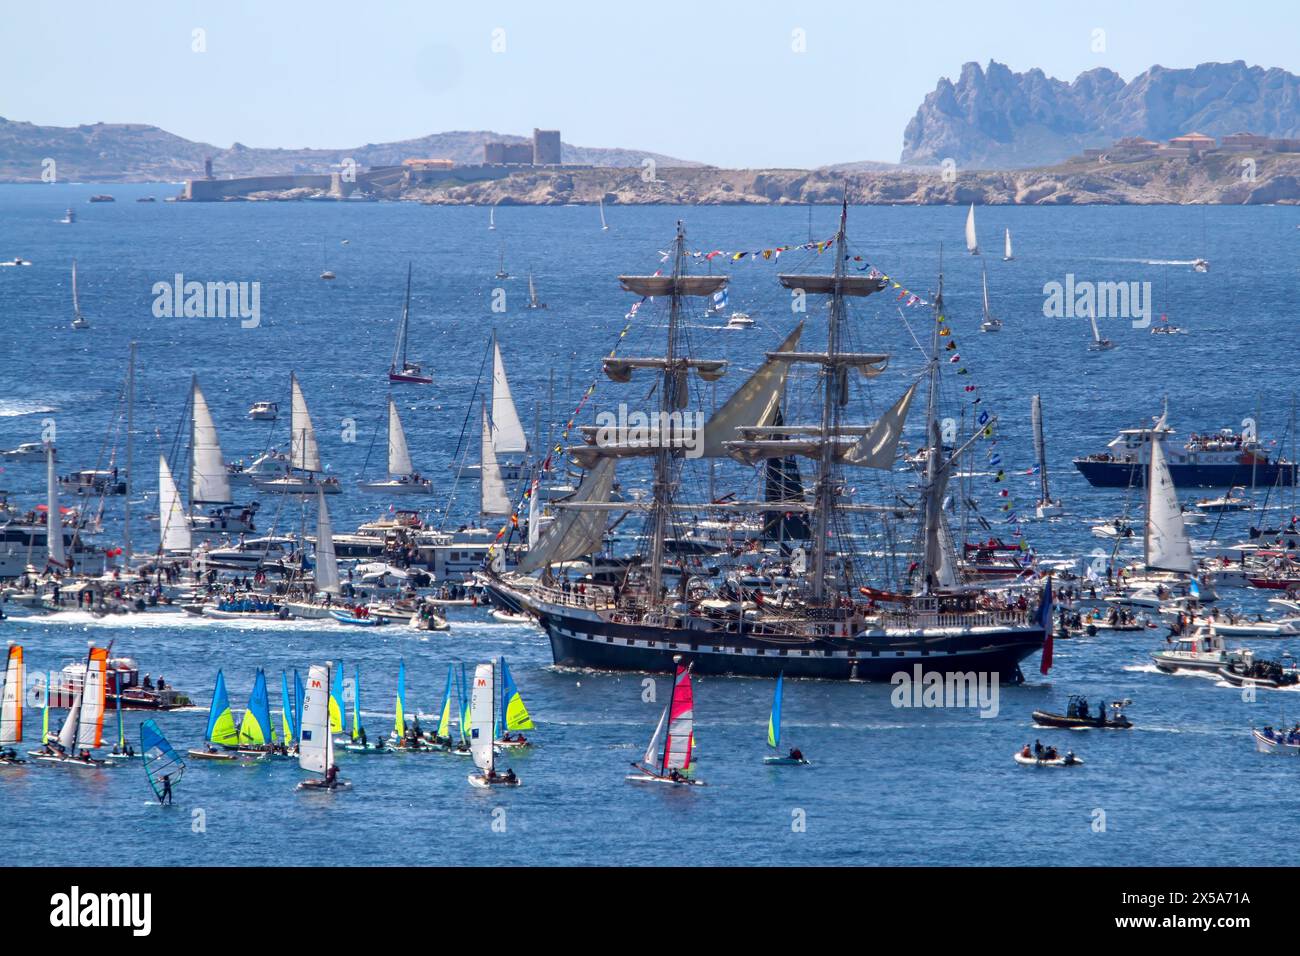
(1098, 344)
(402, 476)
(316, 742)
(1006, 254)
(401, 369)
(1046, 507)
(533, 302)
(795, 757)
(501, 269)
(679, 744)
(991, 322)
(972, 246)
(78, 320)
(604, 226)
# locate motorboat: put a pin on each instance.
(24, 452)
(253, 553)
(93, 481)
(1270, 741)
(268, 465)
(1201, 265)
(1078, 717)
(740, 320)
(1111, 530)
(1202, 650)
(1234, 500)
(264, 411)
(1249, 671)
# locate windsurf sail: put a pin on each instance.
(11, 703)
(90, 723)
(221, 722)
(514, 715)
(160, 758)
(681, 723)
(255, 728)
(774, 718)
(481, 726)
(399, 722)
(336, 701)
(287, 723)
(444, 711)
(316, 745)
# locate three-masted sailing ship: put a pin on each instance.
(830, 625)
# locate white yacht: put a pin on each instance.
(264, 411)
(1202, 650)
(740, 320)
(30, 450)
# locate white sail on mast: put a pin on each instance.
(304, 453)
(90, 723)
(1096, 333)
(316, 743)
(76, 303)
(209, 483)
(755, 403)
(493, 500)
(399, 456)
(11, 705)
(1006, 254)
(534, 525)
(509, 438)
(481, 700)
(53, 520)
(1166, 545)
(972, 246)
(603, 224)
(174, 526)
(575, 532)
(878, 448)
(984, 280)
(327, 565)
(68, 732)
(651, 755)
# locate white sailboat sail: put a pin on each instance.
(68, 732)
(575, 532)
(76, 302)
(603, 224)
(1096, 333)
(209, 483)
(316, 743)
(972, 246)
(878, 448)
(399, 456)
(492, 217)
(1006, 253)
(984, 280)
(174, 527)
(53, 520)
(493, 500)
(651, 755)
(90, 722)
(327, 564)
(304, 452)
(481, 698)
(534, 529)
(509, 438)
(11, 705)
(1166, 546)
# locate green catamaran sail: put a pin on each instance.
(514, 715)
(221, 721)
(255, 728)
(399, 721)
(336, 701)
(444, 711)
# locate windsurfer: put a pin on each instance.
(165, 797)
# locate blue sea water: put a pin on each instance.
(889, 785)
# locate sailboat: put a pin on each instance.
(533, 302)
(325, 273)
(509, 443)
(83, 729)
(1164, 546)
(162, 764)
(795, 757)
(679, 718)
(255, 733)
(402, 479)
(11, 707)
(442, 732)
(1006, 252)
(514, 715)
(1098, 344)
(221, 731)
(972, 246)
(401, 369)
(213, 515)
(482, 724)
(78, 320)
(501, 269)
(316, 740)
(404, 737)
(991, 322)
(304, 464)
(492, 217)
(1047, 506)
(603, 225)
(359, 742)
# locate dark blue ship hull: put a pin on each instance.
(1118, 474)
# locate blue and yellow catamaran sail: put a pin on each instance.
(399, 719)
(299, 695)
(255, 730)
(288, 726)
(463, 722)
(336, 701)
(443, 730)
(514, 715)
(361, 742)
(221, 732)
(795, 757)
(162, 764)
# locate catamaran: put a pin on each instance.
(221, 732)
(972, 245)
(78, 320)
(316, 743)
(1047, 506)
(402, 479)
(533, 301)
(11, 707)
(401, 369)
(482, 724)
(1006, 253)
(991, 322)
(679, 717)
(795, 757)
(256, 738)
(514, 715)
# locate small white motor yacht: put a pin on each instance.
(264, 411)
(740, 320)
(1234, 500)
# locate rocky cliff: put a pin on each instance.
(996, 119)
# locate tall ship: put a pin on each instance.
(1221, 459)
(871, 594)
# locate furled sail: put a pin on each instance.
(327, 565)
(879, 447)
(208, 481)
(304, 453)
(1167, 548)
(399, 456)
(493, 500)
(53, 520)
(174, 526)
(574, 533)
(509, 438)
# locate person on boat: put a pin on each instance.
(1070, 758)
(1050, 754)
(1026, 752)
(332, 775)
(510, 777)
(796, 754)
(675, 777)
(1038, 749)
(147, 683)
(165, 797)
(1083, 708)
(362, 734)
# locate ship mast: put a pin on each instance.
(930, 500)
(669, 401)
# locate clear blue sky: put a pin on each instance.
(716, 82)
